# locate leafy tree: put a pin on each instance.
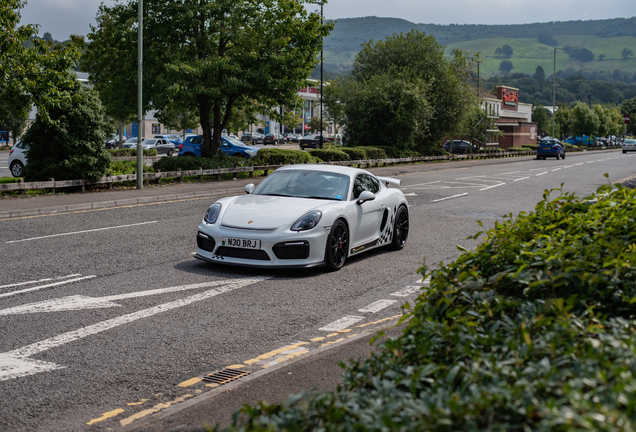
(415, 59)
(547, 39)
(586, 121)
(506, 66)
(314, 124)
(543, 117)
(178, 118)
(564, 117)
(629, 107)
(498, 52)
(601, 57)
(582, 54)
(71, 145)
(627, 53)
(507, 51)
(539, 74)
(30, 66)
(14, 113)
(218, 56)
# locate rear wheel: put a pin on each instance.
(400, 229)
(557, 156)
(538, 157)
(337, 246)
(563, 155)
(17, 169)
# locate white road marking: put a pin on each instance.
(569, 166)
(579, 164)
(46, 286)
(80, 302)
(81, 232)
(493, 186)
(557, 169)
(450, 197)
(342, 323)
(39, 280)
(537, 175)
(420, 184)
(590, 162)
(410, 194)
(522, 178)
(407, 291)
(598, 160)
(377, 306)
(15, 363)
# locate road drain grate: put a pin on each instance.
(224, 376)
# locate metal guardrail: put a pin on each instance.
(158, 176)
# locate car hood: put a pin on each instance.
(267, 212)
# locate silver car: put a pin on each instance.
(629, 145)
(17, 159)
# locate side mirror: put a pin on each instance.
(365, 196)
(249, 188)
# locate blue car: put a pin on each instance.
(550, 147)
(172, 138)
(229, 145)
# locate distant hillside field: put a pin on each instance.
(607, 37)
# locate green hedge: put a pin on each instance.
(355, 153)
(131, 152)
(529, 146)
(120, 167)
(516, 149)
(531, 331)
(328, 155)
(374, 152)
(267, 156)
(193, 163)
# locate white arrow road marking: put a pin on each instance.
(45, 286)
(39, 280)
(79, 302)
(377, 306)
(80, 232)
(407, 291)
(15, 364)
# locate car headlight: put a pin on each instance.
(250, 152)
(307, 221)
(213, 213)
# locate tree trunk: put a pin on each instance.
(204, 119)
(121, 133)
(216, 143)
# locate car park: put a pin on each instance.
(550, 147)
(17, 159)
(174, 139)
(304, 216)
(629, 145)
(131, 143)
(274, 139)
(230, 146)
(310, 141)
(113, 142)
(162, 145)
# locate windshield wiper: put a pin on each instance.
(324, 198)
(280, 195)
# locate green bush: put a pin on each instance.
(282, 157)
(131, 152)
(166, 164)
(374, 152)
(533, 330)
(432, 151)
(355, 153)
(529, 146)
(121, 167)
(516, 149)
(329, 155)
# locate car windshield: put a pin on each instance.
(630, 141)
(305, 184)
(149, 142)
(234, 141)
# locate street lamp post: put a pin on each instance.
(554, 85)
(321, 3)
(140, 57)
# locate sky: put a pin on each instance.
(62, 18)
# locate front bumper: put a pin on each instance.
(212, 249)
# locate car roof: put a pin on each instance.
(352, 172)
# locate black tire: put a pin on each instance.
(337, 246)
(170, 153)
(400, 229)
(538, 157)
(557, 156)
(563, 156)
(17, 169)
(624, 151)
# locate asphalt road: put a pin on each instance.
(146, 319)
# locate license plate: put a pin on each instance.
(241, 243)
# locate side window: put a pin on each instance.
(365, 183)
(197, 140)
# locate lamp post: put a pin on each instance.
(321, 3)
(554, 85)
(140, 58)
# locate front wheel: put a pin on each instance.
(337, 246)
(563, 156)
(17, 169)
(400, 229)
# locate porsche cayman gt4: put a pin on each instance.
(305, 216)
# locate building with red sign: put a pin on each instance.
(514, 118)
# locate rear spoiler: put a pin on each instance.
(387, 180)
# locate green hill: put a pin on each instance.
(607, 37)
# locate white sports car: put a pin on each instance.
(305, 216)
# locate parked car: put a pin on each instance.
(304, 216)
(293, 138)
(459, 147)
(310, 141)
(162, 145)
(230, 146)
(113, 142)
(274, 139)
(17, 159)
(246, 137)
(131, 143)
(629, 145)
(550, 147)
(174, 139)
